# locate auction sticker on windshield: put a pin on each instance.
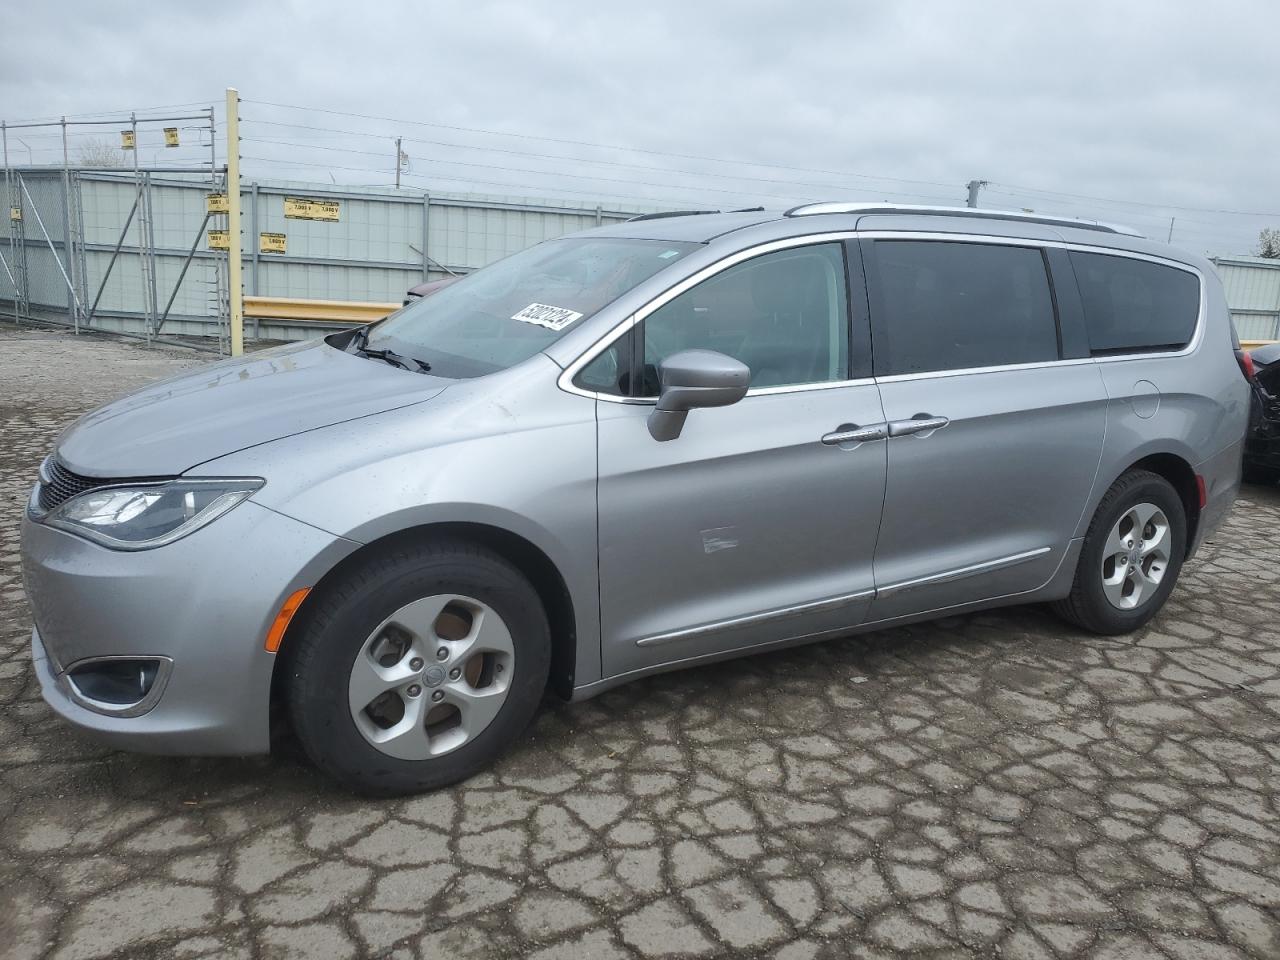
(553, 318)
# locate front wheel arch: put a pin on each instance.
(546, 578)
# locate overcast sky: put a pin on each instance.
(1142, 111)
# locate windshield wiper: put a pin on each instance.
(357, 344)
(396, 360)
(359, 338)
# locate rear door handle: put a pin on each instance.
(921, 423)
(850, 433)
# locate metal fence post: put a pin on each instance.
(254, 227)
(8, 213)
(154, 295)
(73, 310)
(235, 292)
(81, 240)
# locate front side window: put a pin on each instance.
(499, 316)
(784, 314)
(1135, 305)
(947, 305)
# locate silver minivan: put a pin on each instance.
(646, 446)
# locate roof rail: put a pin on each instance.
(669, 213)
(812, 209)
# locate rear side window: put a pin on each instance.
(1135, 305)
(943, 305)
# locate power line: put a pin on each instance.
(594, 194)
(582, 160)
(1166, 206)
(1221, 236)
(628, 180)
(586, 143)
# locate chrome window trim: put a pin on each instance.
(565, 380)
(751, 619)
(974, 371)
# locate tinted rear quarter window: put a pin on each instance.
(946, 305)
(1135, 305)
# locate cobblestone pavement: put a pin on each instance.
(993, 785)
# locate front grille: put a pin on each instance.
(58, 484)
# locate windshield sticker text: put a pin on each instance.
(553, 318)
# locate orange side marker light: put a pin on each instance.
(281, 624)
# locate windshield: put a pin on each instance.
(496, 317)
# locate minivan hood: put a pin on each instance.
(217, 409)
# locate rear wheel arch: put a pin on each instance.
(527, 557)
(1182, 477)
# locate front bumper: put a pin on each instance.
(205, 602)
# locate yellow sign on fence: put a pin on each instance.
(216, 203)
(298, 208)
(15, 213)
(219, 240)
(271, 243)
(171, 136)
(126, 139)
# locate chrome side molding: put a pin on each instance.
(781, 613)
(959, 573)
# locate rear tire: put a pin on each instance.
(446, 647)
(1131, 558)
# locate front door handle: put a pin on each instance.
(851, 433)
(920, 423)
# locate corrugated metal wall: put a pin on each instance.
(1252, 286)
(374, 251)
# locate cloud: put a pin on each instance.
(1161, 105)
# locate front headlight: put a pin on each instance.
(147, 515)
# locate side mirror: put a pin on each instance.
(695, 378)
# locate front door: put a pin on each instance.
(995, 430)
(758, 523)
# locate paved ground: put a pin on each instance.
(987, 786)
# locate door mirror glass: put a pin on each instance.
(695, 378)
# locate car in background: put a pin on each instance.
(427, 289)
(1262, 446)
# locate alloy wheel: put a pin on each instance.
(431, 677)
(1136, 556)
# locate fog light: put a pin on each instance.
(118, 685)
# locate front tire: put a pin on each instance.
(418, 667)
(1131, 558)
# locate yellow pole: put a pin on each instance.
(236, 291)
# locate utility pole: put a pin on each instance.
(1171, 219)
(974, 186)
(398, 162)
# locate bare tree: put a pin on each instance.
(99, 153)
(1269, 244)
